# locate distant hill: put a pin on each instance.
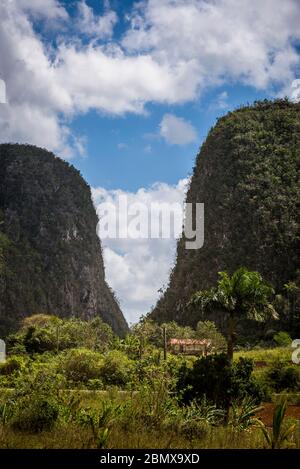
(247, 175)
(50, 254)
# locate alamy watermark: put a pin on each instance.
(2, 92)
(2, 351)
(125, 220)
(296, 352)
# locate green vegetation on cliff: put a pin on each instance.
(50, 255)
(247, 175)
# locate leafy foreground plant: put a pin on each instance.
(100, 422)
(279, 435)
(243, 414)
(34, 405)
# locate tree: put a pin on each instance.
(208, 330)
(243, 295)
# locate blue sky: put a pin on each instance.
(127, 92)
(129, 153)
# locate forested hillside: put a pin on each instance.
(50, 255)
(247, 175)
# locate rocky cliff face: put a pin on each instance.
(50, 255)
(247, 175)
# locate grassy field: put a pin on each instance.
(150, 418)
(138, 428)
(72, 436)
(267, 355)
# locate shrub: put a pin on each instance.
(94, 384)
(283, 377)
(212, 377)
(243, 413)
(34, 405)
(38, 320)
(41, 333)
(35, 414)
(116, 369)
(82, 365)
(243, 384)
(282, 339)
(12, 364)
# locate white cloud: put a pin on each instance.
(226, 40)
(111, 81)
(35, 99)
(2, 92)
(137, 268)
(177, 131)
(49, 9)
(221, 101)
(171, 51)
(99, 26)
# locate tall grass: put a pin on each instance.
(151, 418)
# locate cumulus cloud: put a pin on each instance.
(35, 99)
(170, 52)
(49, 9)
(247, 41)
(177, 131)
(137, 268)
(93, 25)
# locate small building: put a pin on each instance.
(190, 346)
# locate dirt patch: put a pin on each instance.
(266, 415)
(260, 364)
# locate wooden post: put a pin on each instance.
(165, 342)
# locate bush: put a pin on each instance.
(12, 364)
(283, 377)
(214, 379)
(94, 384)
(282, 339)
(41, 333)
(34, 405)
(35, 414)
(116, 369)
(82, 365)
(38, 320)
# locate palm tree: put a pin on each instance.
(243, 295)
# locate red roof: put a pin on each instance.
(189, 342)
